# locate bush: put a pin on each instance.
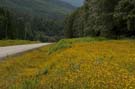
(66, 43)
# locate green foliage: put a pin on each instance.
(106, 18)
(33, 19)
(26, 27)
(67, 43)
(61, 44)
(30, 84)
(125, 12)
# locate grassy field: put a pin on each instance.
(15, 42)
(82, 64)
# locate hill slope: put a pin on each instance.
(74, 2)
(40, 8)
(33, 19)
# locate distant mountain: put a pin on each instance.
(48, 8)
(76, 3)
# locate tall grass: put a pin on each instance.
(27, 84)
(66, 43)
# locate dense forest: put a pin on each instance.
(107, 18)
(27, 27)
(33, 20)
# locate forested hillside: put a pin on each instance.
(41, 8)
(108, 18)
(76, 3)
(33, 19)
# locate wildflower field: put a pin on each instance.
(99, 64)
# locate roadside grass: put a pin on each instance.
(83, 65)
(15, 42)
(67, 43)
(21, 71)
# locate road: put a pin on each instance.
(12, 50)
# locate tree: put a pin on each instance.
(107, 18)
(125, 13)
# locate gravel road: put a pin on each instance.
(12, 50)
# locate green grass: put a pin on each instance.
(66, 43)
(27, 84)
(15, 42)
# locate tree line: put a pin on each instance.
(107, 18)
(14, 25)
